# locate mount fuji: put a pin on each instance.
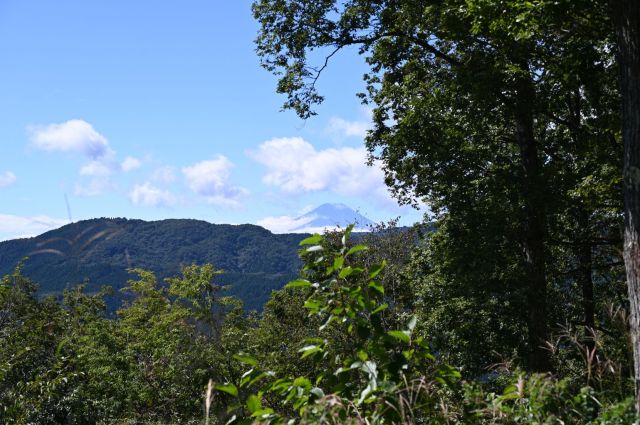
(330, 216)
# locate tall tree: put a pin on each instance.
(438, 68)
(626, 16)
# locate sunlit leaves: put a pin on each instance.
(298, 283)
(227, 388)
(347, 301)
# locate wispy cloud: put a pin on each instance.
(70, 136)
(211, 179)
(93, 186)
(96, 169)
(130, 163)
(95, 177)
(288, 224)
(340, 128)
(165, 174)
(14, 226)
(284, 223)
(7, 178)
(343, 128)
(148, 195)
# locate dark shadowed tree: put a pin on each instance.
(626, 16)
(465, 96)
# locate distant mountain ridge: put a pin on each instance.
(330, 216)
(101, 250)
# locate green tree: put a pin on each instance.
(467, 96)
(198, 292)
(30, 334)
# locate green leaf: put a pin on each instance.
(311, 240)
(254, 403)
(246, 359)
(447, 374)
(317, 392)
(363, 356)
(309, 350)
(246, 377)
(227, 388)
(263, 413)
(380, 308)
(313, 305)
(298, 283)
(376, 269)
(376, 287)
(401, 335)
(347, 233)
(327, 322)
(251, 377)
(412, 323)
(302, 382)
(355, 249)
(338, 262)
(345, 272)
(61, 345)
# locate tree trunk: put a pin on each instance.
(583, 253)
(534, 228)
(626, 15)
(585, 277)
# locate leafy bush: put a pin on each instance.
(385, 375)
(359, 370)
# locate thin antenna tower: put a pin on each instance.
(66, 201)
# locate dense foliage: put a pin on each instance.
(68, 363)
(363, 357)
(519, 304)
(512, 120)
(349, 340)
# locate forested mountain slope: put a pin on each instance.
(101, 250)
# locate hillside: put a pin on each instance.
(101, 250)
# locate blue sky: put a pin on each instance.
(160, 109)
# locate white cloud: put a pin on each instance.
(295, 166)
(341, 128)
(95, 177)
(283, 223)
(95, 169)
(130, 163)
(79, 137)
(148, 195)
(71, 136)
(288, 224)
(211, 179)
(344, 128)
(13, 226)
(7, 178)
(164, 174)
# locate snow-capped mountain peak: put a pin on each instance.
(331, 216)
